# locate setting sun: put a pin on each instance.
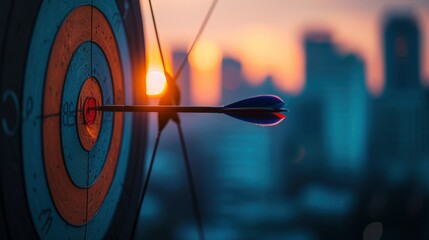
(155, 83)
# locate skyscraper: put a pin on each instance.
(336, 80)
(398, 139)
(232, 80)
(398, 126)
(184, 79)
(401, 38)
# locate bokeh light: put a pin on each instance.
(205, 61)
(156, 83)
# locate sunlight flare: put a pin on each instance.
(156, 83)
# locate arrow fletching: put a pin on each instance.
(262, 101)
(261, 119)
(263, 110)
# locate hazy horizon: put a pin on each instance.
(266, 37)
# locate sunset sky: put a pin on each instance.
(266, 36)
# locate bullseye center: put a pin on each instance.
(89, 120)
(89, 114)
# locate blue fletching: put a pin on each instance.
(268, 118)
(262, 119)
(266, 101)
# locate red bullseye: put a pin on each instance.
(89, 114)
(89, 121)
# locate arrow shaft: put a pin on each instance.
(161, 108)
(185, 109)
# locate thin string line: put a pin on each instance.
(200, 31)
(87, 169)
(157, 37)
(146, 182)
(182, 139)
(58, 114)
(191, 183)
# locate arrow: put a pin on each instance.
(264, 110)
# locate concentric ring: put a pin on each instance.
(77, 205)
(30, 210)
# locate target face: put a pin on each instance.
(78, 165)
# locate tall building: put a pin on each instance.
(232, 80)
(321, 58)
(234, 85)
(346, 123)
(399, 139)
(335, 83)
(327, 144)
(401, 38)
(184, 83)
(399, 127)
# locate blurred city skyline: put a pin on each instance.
(266, 37)
(345, 164)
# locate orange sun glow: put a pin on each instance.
(156, 83)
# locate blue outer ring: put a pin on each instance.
(50, 17)
(82, 166)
